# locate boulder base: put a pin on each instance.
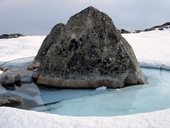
(87, 52)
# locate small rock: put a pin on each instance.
(34, 66)
(8, 99)
(9, 78)
(4, 68)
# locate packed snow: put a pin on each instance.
(15, 118)
(151, 49)
(14, 48)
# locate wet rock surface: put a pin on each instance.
(87, 52)
(165, 26)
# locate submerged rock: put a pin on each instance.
(9, 78)
(87, 52)
(8, 99)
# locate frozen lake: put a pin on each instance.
(100, 102)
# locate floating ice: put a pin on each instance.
(101, 88)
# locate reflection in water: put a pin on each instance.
(103, 102)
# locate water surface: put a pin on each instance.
(153, 96)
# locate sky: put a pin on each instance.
(37, 17)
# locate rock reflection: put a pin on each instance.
(29, 92)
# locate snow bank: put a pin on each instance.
(151, 48)
(21, 47)
(15, 118)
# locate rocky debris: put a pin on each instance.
(123, 31)
(8, 99)
(7, 36)
(9, 78)
(87, 52)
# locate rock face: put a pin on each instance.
(87, 52)
(8, 99)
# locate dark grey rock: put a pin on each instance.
(123, 31)
(7, 36)
(87, 52)
(138, 31)
(8, 99)
(4, 68)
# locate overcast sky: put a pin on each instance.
(37, 17)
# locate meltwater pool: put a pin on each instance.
(153, 96)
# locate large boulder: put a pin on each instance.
(87, 52)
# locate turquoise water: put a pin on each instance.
(153, 96)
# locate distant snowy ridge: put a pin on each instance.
(159, 27)
(165, 26)
(7, 36)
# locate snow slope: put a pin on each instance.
(151, 48)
